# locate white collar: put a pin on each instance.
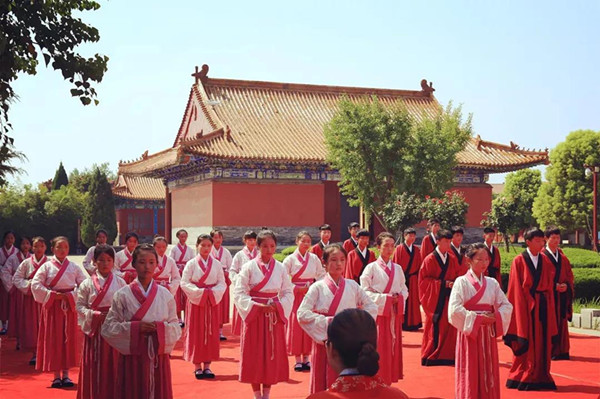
(302, 256)
(410, 247)
(474, 275)
(433, 237)
(534, 258)
(324, 244)
(490, 247)
(388, 264)
(349, 371)
(455, 247)
(443, 256)
(554, 254)
(142, 288)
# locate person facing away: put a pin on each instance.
(352, 353)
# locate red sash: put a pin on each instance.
(250, 255)
(20, 257)
(160, 269)
(337, 291)
(6, 254)
(145, 302)
(391, 273)
(183, 250)
(267, 270)
(206, 270)
(296, 277)
(129, 259)
(36, 266)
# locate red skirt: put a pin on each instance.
(236, 323)
(180, 300)
(4, 304)
(412, 315)
(138, 376)
(224, 308)
(15, 318)
(321, 374)
(29, 322)
(389, 347)
(439, 342)
(58, 338)
(201, 334)
(98, 371)
(298, 342)
(263, 353)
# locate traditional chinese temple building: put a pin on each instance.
(249, 154)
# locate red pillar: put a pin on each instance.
(167, 214)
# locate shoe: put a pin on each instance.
(298, 367)
(32, 361)
(3, 331)
(199, 374)
(181, 324)
(222, 338)
(56, 383)
(306, 366)
(208, 374)
(67, 383)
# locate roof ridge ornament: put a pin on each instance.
(201, 75)
(427, 89)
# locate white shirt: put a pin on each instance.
(534, 259)
(455, 247)
(363, 251)
(443, 256)
(410, 247)
(554, 254)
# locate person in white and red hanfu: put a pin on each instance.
(88, 260)
(351, 242)
(222, 254)
(493, 270)
(324, 299)
(325, 236)
(124, 258)
(384, 282)
(564, 292)
(248, 253)
(436, 278)
(264, 296)
(457, 251)
(28, 331)
(166, 273)
(304, 269)
(408, 256)
(54, 286)
(182, 254)
(359, 257)
(204, 285)
(15, 317)
(142, 325)
(480, 312)
(98, 370)
(430, 240)
(8, 249)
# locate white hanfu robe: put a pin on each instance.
(382, 281)
(167, 274)
(181, 254)
(88, 260)
(28, 331)
(263, 350)
(477, 367)
(57, 344)
(15, 314)
(321, 303)
(304, 271)
(224, 256)
(144, 368)
(98, 371)
(124, 265)
(4, 297)
(239, 259)
(203, 283)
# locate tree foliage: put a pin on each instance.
(99, 210)
(565, 200)
(60, 178)
(8, 153)
(82, 179)
(404, 212)
(31, 31)
(383, 151)
(450, 209)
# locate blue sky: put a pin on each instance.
(528, 71)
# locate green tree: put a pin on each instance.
(403, 213)
(565, 200)
(64, 208)
(81, 180)
(99, 210)
(7, 155)
(382, 152)
(450, 209)
(48, 31)
(501, 217)
(60, 178)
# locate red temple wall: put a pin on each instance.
(192, 205)
(479, 198)
(333, 211)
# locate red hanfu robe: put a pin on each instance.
(318, 248)
(181, 254)
(493, 269)
(356, 263)
(410, 261)
(28, 326)
(321, 303)
(563, 302)
(167, 274)
(124, 265)
(58, 338)
(263, 350)
(204, 285)
(461, 260)
(533, 325)
(240, 259)
(477, 367)
(98, 370)
(224, 257)
(359, 387)
(428, 245)
(304, 271)
(350, 244)
(381, 281)
(15, 318)
(144, 368)
(4, 297)
(439, 337)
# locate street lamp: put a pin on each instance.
(595, 169)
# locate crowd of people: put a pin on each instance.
(338, 310)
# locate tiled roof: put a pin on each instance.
(139, 188)
(283, 122)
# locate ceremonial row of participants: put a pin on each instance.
(134, 305)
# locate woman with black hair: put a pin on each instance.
(352, 353)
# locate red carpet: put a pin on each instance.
(577, 378)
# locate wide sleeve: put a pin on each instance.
(85, 314)
(20, 278)
(193, 293)
(6, 273)
(429, 287)
(461, 318)
(80, 275)
(88, 260)
(380, 299)
(116, 330)
(241, 294)
(41, 294)
(320, 270)
(286, 295)
(314, 324)
(517, 335)
(403, 287)
(288, 263)
(235, 268)
(502, 309)
(175, 277)
(169, 330)
(219, 289)
(364, 302)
